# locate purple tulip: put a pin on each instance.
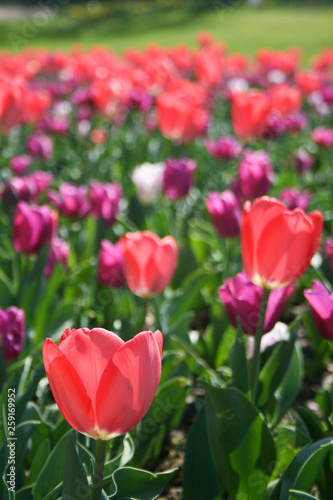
(293, 198)
(255, 173)
(42, 180)
(105, 200)
(242, 300)
(20, 163)
(59, 251)
(71, 201)
(303, 161)
(323, 136)
(12, 332)
(19, 189)
(33, 227)
(275, 125)
(328, 249)
(110, 265)
(321, 305)
(225, 213)
(178, 177)
(296, 122)
(223, 148)
(40, 146)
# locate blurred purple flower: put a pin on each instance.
(20, 163)
(321, 305)
(178, 177)
(255, 173)
(225, 212)
(40, 146)
(105, 198)
(59, 251)
(223, 148)
(303, 161)
(71, 201)
(296, 122)
(323, 136)
(12, 332)
(110, 265)
(293, 198)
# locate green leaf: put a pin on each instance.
(239, 364)
(274, 371)
(242, 447)
(75, 483)
(289, 388)
(300, 495)
(200, 479)
(50, 477)
(304, 469)
(138, 484)
(123, 457)
(313, 424)
(38, 461)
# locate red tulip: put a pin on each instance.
(249, 112)
(285, 99)
(277, 244)
(102, 385)
(149, 262)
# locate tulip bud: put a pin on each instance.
(225, 212)
(33, 227)
(148, 180)
(110, 265)
(255, 173)
(178, 177)
(20, 163)
(59, 251)
(12, 332)
(40, 146)
(321, 305)
(242, 300)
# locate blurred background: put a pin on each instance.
(244, 25)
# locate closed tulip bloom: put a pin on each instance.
(20, 163)
(249, 112)
(285, 99)
(328, 249)
(223, 148)
(33, 227)
(255, 174)
(242, 300)
(40, 146)
(149, 262)
(71, 201)
(303, 161)
(225, 213)
(277, 244)
(178, 177)
(321, 305)
(105, 198)
(59, 251)
(295, 122)
(323, 136)
(19, 189)
(102, 385)
(110, 265)
(12, 332)
(293, 198)
(11, 104)
(148, 180)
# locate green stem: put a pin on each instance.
(96, 493)
(255, 366)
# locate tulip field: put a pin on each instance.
(166, 277)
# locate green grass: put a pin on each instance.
(244, 29)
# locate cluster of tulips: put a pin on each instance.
(185, 192)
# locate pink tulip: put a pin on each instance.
(12, 332)
(225, 212)
(102, 385)
(149, 262)
(110, 265)
(33, 227)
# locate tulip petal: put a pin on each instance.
(128, 384)
(68, 389)
(90, 348)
